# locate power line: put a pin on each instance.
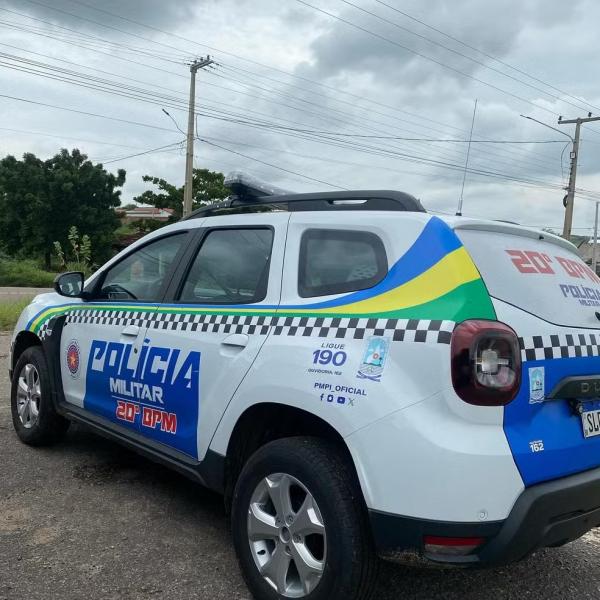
(79, 45)
(402, 156)
(138, 93)
(94, 22)
(420, 54)
(461, 54)
(150, 151)
(150, 66)
(482, 52)
(40, 3)
(272, 165)
(337, 141)
(221, 51)
(83, 112)
(64, 137)
(387, 126)
(498, 152)
(128, 33)
(87, 38)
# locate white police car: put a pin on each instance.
(358, 377)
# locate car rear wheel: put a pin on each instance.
(299, 524)
(33, 414)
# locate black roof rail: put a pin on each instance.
(349, 200)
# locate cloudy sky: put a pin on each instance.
(317, 94)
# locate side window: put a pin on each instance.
(140, 275)
(231, 267)
(334, 262)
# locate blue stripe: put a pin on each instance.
(435, 241)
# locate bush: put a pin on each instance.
(24, 273)
(10, 311)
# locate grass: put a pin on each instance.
(10, 311)
(24, 273)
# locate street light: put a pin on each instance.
(549, 127)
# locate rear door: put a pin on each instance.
(210, 329)
(551, 298)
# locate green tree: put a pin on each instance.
(207, 186)
(41, 200)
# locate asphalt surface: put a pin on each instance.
(88, 519)
(18, 293)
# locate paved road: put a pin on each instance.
(89, 519)
(17, 293)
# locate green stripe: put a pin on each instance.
(468, 301)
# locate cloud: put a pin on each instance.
(372, 88)
(493, 27)
(82, 14)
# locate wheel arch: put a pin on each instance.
(265, 422)
(23, 340)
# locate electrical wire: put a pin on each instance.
(173, 102)
(461, 54)
(482, 52)
(272, 165)
(150, 27)
(420, 54)
(150, 151)
(294, 107)
(401, 156)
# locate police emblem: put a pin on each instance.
(536, 385)
(373, 361)
(73, 358)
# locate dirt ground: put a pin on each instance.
(88, 519)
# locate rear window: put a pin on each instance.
(335, 262)
(537, 276)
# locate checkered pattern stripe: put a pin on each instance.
(399, 330)
(248, 324)
(562, 345)
(110, 317)
(45, 329)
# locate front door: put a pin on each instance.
(102, 346)
(217, 317)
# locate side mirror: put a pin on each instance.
(69, 284)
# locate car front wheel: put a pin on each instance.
(33, 414)
(299, 524)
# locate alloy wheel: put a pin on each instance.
(287, 535)
(29, 395)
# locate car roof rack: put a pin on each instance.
(255, 197)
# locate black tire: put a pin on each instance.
(49, 427)
(351, 565)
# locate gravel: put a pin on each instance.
(87, 518)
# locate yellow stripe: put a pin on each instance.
(456, 268)
(48, 313)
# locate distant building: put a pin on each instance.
(129, 215)
(585, 247)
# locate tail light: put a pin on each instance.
(486, 362)
(451, 546)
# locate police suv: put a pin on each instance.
(358, 377)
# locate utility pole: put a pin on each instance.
(189, 155)
(570, 197)
(595, 239)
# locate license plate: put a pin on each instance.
(591, 423)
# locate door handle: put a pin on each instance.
(236, 339)
(131, 331)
